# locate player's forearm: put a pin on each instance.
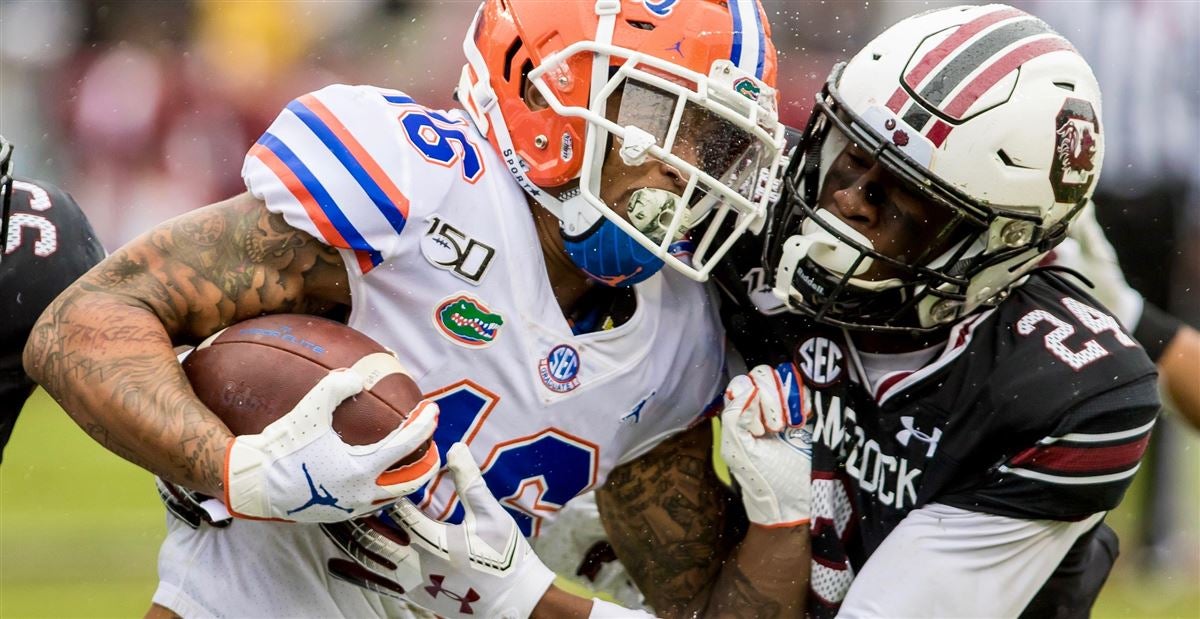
(669, 518)
(767, 575)
(1178, 367)
(111, 366)
(558, 604)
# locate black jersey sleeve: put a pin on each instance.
(1081, 467)
(1072, 398)
(50, 244)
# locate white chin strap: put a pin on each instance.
(822, 247)
(576, 214)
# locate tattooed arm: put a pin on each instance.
(103, 348)
(679, 531)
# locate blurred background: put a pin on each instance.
(144, 110)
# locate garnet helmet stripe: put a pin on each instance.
(966, 62)
(990, 76)
(936, 55)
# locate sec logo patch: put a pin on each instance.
(821, 361)
(559, 371)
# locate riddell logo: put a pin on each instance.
(464, 601)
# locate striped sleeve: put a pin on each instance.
(1084, 466)
(332, 164)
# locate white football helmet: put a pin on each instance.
(981, 110)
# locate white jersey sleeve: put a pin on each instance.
(1088, 251)
(943, 561)
(350, 165)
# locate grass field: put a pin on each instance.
(79, 531)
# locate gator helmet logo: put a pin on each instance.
(559, 371)
(747, 88)
(466, 321)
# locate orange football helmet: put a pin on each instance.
(700, 68)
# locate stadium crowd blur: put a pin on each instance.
(143, 110)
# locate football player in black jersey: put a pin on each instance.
(974, 416)
(48, 243)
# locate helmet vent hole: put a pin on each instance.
(1066, 86)
(526, 67)
(640, 25)
(876, 56)
(1008, 160)
(508, 59)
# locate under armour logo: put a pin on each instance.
(324, 497)
(464, 601)
(910, 432)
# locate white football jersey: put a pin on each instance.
(446, 269)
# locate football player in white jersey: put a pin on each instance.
(507, 252)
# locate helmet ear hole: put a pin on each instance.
(533, 97)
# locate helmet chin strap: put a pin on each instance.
(826, 250)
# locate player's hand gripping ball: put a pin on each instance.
(328, 424)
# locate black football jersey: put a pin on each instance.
(1039, 408)
(50, 244)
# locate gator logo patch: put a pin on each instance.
(466, 321)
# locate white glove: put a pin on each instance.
(772, 467)
(298, 469)
(482, 567)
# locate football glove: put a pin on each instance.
(299, 470)
(482, 567)
(766, 446)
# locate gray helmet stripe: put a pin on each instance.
(965, 63)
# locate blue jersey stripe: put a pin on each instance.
(324, 200)
(407, 100)
(390, 209)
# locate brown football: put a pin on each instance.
(255, 371)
